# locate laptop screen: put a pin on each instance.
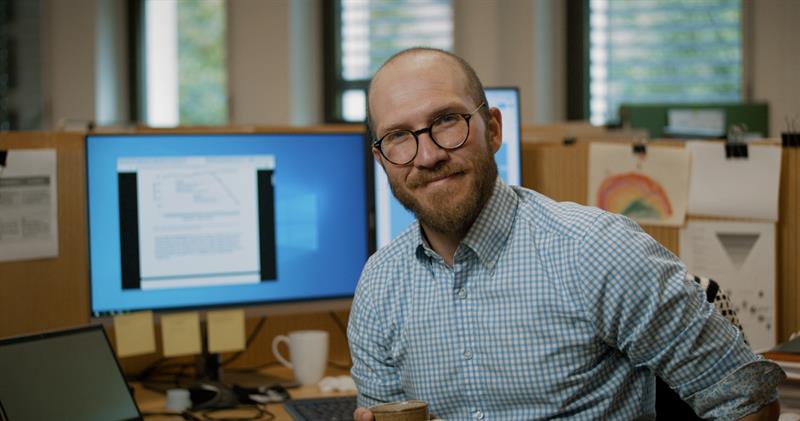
(68, 375)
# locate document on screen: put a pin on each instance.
(198, 219)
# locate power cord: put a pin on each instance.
(249, 341)
(339, 323)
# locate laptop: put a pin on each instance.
(69, 375)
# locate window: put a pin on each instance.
(649, 51)
(366, 33)
(184, 79)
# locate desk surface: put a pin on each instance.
(153, 402)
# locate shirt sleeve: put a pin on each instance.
(374, 370)
(636, 293)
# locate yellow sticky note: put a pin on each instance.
(134, 334)
(225, 330)
(180, 334)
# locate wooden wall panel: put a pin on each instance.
(556, 170)
(788, 234)
(48, 294)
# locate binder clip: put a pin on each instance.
(735, 147)
(791, 137)
(569, 140)
(3, 157)
(639, 147)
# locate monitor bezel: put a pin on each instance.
(519, 119)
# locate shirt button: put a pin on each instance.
(467, 355)
(462, 293)
(478, 415)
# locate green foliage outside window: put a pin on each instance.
(202, 88)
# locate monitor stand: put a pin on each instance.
(208, 367)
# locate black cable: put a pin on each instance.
(260, 414)
(145, 373)
(343, 329)
(249, 341)
(163, 414)
(340, 366)
(257, 367)
(339, 324)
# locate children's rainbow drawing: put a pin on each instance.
(634, 195)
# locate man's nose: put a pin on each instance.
(429, 153)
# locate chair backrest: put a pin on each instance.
(669, 405)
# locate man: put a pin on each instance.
(500, 304)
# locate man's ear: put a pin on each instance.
(377, 155)
(495, 129)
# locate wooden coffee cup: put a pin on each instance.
(401, 411)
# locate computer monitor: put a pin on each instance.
(197, 221)
(392, 218)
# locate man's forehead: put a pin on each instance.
(418, 77)
(417, 62)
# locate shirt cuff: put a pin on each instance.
(744, 391)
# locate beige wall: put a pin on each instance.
(69, 60)
(775, 61)
(275, 57)
(519, 44)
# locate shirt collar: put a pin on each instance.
(488, 234)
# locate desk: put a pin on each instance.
(151, 401)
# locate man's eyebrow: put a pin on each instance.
(437, 112)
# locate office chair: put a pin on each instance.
(669, 405)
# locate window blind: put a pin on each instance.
(374, 30)
(663, 51)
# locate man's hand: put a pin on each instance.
(770, 412)
(363, 414)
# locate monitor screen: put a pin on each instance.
(206, 220)
(392, 218)
(65, 375)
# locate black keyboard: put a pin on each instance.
(322, 409)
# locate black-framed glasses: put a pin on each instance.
(448, 131)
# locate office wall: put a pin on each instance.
(275, 78)
(520, 43)
(69, 60)
(275, 62)
(775, 61)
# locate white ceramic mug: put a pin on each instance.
(308, 352)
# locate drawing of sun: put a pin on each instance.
(634, 195)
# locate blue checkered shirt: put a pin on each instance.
(550, 310)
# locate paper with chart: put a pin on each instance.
(739, 188)
(198, 219)
(740, 256)
(28, 205)
(651, 188)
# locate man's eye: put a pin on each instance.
(395, 137)
(447, 119)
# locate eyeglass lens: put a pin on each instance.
(448, 131)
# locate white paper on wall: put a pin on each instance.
(28, 205)
(740, 256)
(738, 187)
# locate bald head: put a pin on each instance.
(417, 61)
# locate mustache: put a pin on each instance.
(424, 177)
